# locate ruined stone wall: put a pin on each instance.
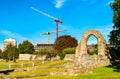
(70, 57)
(83, 59)
(26, 57)
(82, 47)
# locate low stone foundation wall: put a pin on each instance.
(84, 64)
(87, 63)
(26, 57)
(94, 61)
(70, 57)
(30, 57)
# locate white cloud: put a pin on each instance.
(105, 30)
(6, 33)
(9, 34)
(58, 3)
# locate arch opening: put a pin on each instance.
(92, 45)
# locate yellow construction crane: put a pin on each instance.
(52, 17)
(50, 32)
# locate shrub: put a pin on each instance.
(66, 51)
(69, 51)
(62, 56)
(48, 52)
(51, 53)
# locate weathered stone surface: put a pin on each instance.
(82, 47)
(85, 61)
(35, 57)
(70, 57)
(27, 57)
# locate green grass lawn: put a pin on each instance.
(18, 64)
(40, 71)
(99, 73)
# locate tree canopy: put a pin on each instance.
(115, 33)
(0, 53)
(10, 53)
(26, 47)
(65, 41)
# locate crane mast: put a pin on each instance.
(55, 19)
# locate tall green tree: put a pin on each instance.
(65, 41)
(10, 53)
(0, 53)
(26, 47)
(115, 33)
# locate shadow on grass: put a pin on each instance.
(6, 72)
(115, 65)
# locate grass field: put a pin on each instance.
(99, 73)
(26, 70)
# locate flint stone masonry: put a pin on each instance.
(31, 57)
(70, 57)
(35, 57)
(82, 47)
(83, 59)
(27, 57)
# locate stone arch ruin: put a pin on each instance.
(82, 47)
(82, 58)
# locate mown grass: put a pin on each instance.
(54, 77)
(99, 73)
(42, 71)
(18, 64)
(42, 68)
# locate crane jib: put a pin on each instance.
(55, 19)
(58, 21)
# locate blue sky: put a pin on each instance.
(19, 21)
